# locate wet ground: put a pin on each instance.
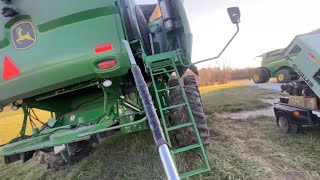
(272, 84)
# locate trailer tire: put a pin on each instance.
(283, 76)
(260, 75)
(180, 115)
(285, 124)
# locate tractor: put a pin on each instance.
(102, 68)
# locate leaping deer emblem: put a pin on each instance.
(23, 37)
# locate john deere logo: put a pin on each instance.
(23, 35)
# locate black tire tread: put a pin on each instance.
(263, 73)
(286, 74)
(180, 115)
(56, 162)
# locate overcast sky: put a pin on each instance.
(265, 25)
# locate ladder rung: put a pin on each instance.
(180, 126)
(163, 72)
(163, 66)
(174, 106)
(186, 148)
(194, 172)
(166, 89)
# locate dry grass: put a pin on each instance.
(251, 148)
(207, 89)
(255, 149)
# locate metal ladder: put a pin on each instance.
(165, 64)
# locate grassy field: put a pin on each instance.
(234, 98)
(250, 148)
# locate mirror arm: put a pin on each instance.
(225, 47)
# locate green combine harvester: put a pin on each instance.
(102, 68)
(273, 65)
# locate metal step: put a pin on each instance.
(193, 172)
(186, 148)
(163, 72)
(170, 88)
(174, 106)
(180, 126)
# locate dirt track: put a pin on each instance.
(272, 84)
(247, 114)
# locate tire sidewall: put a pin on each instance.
(291, 127)
(286, 76)
(263, 75)
(283, 123)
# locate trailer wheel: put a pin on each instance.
(180, 115)
(260, 75)
(285, 124)
(283, 76)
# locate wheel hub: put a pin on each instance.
(280, 77)
(283, 124)
(256, 76)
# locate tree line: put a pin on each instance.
(217, 75)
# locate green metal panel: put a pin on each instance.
(273, 67)
(274, 61)
(64, 49)
(81, 124)
(303, 55)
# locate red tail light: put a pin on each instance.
(102, 47)
(107, 64)
(10, 70)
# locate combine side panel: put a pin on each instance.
(52, 45)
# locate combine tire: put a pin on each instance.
(51, 160)
(180, 115)
(260, 75)
(56, 162)
(283, 76)
(83, 150)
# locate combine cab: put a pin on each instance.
(95, 66)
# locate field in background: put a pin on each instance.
(206, 89)
(251, 148)
(11, 122)
(234, 97)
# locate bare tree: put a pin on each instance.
(225, 75)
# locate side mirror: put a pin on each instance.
(234, 14)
